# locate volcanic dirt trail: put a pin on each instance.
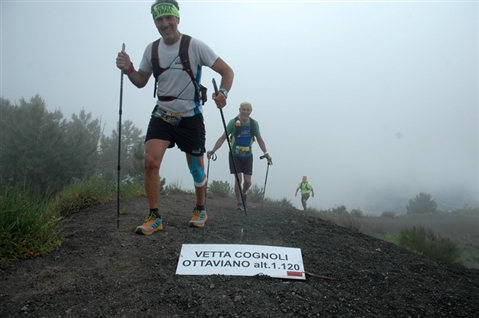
(100, 271)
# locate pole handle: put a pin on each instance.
(215, 86)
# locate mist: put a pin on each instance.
(373, 101)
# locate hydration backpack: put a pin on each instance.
(200, 94)
(252, 128)
(304, 185)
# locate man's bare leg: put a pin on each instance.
(237, 189)
(154, 151)
(197, 170)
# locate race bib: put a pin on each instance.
(172, 118)
(242, 150)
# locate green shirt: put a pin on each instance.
(243, 142)
(305, 187)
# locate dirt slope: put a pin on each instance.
(100, 271)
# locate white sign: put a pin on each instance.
(240, 260)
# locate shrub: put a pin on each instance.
(285, 203)
(357, 212)
(340, 215)
(174, 188)
(221, 189)
(388, 214)
(255, 194)
(466, 211)
(426, 242)
(339, 210)
(351, 222)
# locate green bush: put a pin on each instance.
(221, 189)
(426, 242)
(255, 194)
(173, 188)
(285, 203)
(339, 210)
(466, 211)
(357, 212)
(349, 221)
(388, 214)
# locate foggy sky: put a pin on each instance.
(362, 97)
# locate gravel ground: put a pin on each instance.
(102, 271)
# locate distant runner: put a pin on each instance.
(306, 188)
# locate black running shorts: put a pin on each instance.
(243, 165)
(189, 135)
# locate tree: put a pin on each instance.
(82, 137)
(422, 204)
(131, 154)
(41, 148)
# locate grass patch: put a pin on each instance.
(29, 225)
(387, 237)
(174, 188)
(79, 195)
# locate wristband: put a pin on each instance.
(130, 70)
(224, 91)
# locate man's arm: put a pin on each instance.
(138, 78)
(262, 145)
(227, 75)
(217, 146)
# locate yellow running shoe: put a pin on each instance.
(199, 218)
(151, 225)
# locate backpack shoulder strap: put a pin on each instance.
(185, 62)
(155, 63)
(252, 127)
(155, 60)
(184, 56)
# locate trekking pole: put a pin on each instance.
(231, 150)
(119, 147)
(265, 179)
(213, 156)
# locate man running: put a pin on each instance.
(306, 188)
(177, 116)
(243, 131)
